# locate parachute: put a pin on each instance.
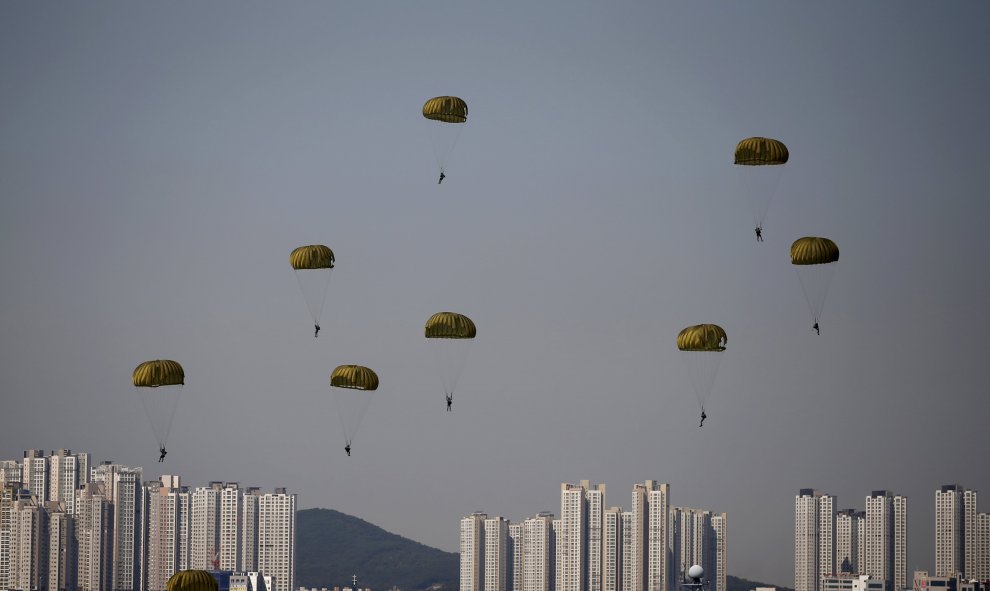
(159, 384)
(814, 259)
(452, 334)
(352, 387)
(192, 580)
(445, 116)
(759, 161)
(701, 348)
(313, 265)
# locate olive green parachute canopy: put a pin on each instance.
(160, 372)
(761, 151)
(702, 337)
(448, 109)
(314, 256)
(192, 580)
(355, 377)
(812, 250)
(450, 325)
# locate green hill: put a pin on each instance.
(331, 547)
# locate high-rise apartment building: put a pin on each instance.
(627, 551)
(28, 545)
(496, 552)
(61, 551)
(971, 547)
(982, 570)
(612, 549)
(691, 542)
(539, 548)
(472, 547)
(249, 526)
(650, 508)
(516, 553)
(718, 580)
(886, 539)
(9, 493)
(34, 474)
(277, 538)
(949, 532)
(847, 540)
(594, 497)
(204, 541)
(658, 496)
(814, 523)
(572, 539)
(123, 485)
(167, 525)
(67, 472)
(698, 537)
(231, 527)
(94, 537)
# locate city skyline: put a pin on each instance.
(105, 527)
(159, 162)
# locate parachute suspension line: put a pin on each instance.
(451, 355)
(171, 403)
(323, 300)
(314, 296)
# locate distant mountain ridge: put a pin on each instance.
(331, 547)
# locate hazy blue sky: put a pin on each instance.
(158, 161)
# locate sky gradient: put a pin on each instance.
(159, 161)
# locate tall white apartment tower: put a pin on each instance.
(94, 537)
(34, 474)
(627, 550)
(167, 509)
(949, 533)
(539, 550)
(659, 514)
(698, 537)
(982, 571)
(204, 542)
(249, 523)
(472, 547)
(692, 542)
(814, 520)
(571, 539)
(900, 542)
(826, 536)
(277, 538)
(9, 492)
(594, 497)
(650, 514)
(231, 509)
(67, 472)
(496, 548)
(886, 539)
(847, 540)
(719, 527)
(612, 549)
(61, 547)
(28, 546)
(124, 488)
(971, 547)
(516, 554)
